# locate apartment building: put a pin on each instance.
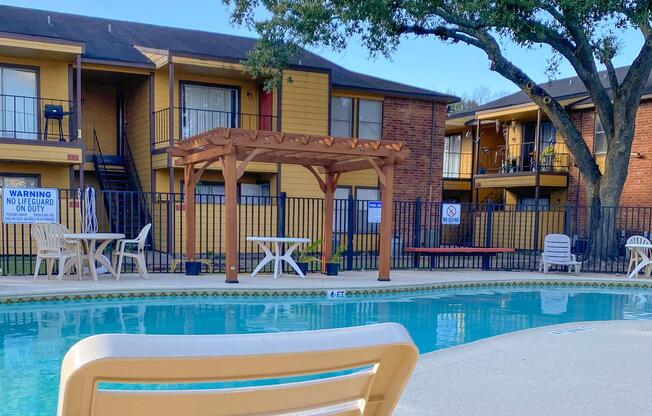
(94, 101)
(489, 153)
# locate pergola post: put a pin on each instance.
(386, 216)
(231, 206)
(189, 194)
(329, 208)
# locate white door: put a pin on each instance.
(19, 106)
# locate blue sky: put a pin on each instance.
(427, 63)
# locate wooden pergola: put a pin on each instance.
(326, 157)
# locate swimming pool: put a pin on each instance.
(35, 336)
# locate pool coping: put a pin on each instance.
(360, 291)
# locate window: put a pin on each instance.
(206, 107)
(342, 116)
(254, 193)
(600, 139)
(363, 196)
(209, 192)
(340, 210)
(452, 156)
(529, 204)
(18, 181)
(370, 119)
(18, 103)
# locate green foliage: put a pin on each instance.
(308, 254)
(337, 255)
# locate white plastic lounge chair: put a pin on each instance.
(51, 247)
(383, 356)
(634, 257)
(557, 250)
(139, 255)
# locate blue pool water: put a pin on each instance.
(34, 337)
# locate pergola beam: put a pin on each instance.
(332, 155)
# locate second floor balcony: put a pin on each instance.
(521, 158)
(173, 124)
(37, 120)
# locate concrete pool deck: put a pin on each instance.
(589, 368)
(12, 287)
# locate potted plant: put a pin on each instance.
(333, 266)
(545, 160)
(193, 268)
(307, 256)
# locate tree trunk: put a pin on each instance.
(604, 196)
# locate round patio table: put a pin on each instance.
(278, 255)
(94, 252)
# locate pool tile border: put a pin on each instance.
(350, 292)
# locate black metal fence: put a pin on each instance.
(416, 223)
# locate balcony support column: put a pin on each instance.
(537, 178)
(171, 122)
(78, 117)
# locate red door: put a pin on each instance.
(265, 108)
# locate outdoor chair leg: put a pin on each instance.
(142, 266)
(119, 269)
(37, 267)
(62, 268)
(49, 263)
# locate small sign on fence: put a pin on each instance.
(373, 212)
(451, 214)
(30, 205)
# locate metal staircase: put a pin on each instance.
(125, 203)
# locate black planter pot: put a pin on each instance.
(332, 269)
(193, 268)
(303, 267)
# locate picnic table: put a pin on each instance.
(94, 252)
(278, 255)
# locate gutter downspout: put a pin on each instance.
(432, 152)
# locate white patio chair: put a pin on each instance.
(51, 247)
(355, 371)
(557, 251)
(634, 257)
(138, 255)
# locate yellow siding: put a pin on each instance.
(40, 153)
(51, 175)
(137, 103)
(304, 109)
(99, 111)
(515, 229)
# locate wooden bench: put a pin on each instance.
(485, 252)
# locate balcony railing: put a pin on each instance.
(458, 165)
(31, 118)
(187, 122)
(519, 158)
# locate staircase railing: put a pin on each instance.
(100, 163)
(130, 164)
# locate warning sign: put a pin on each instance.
(450, 214)
(30, 205)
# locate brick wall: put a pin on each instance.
(634, 192)
(411, 121)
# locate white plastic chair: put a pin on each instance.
(139, 255)
(51, 247)
(358, 371)
(634, 257)
(557, 250)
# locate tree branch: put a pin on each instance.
(538, 95)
